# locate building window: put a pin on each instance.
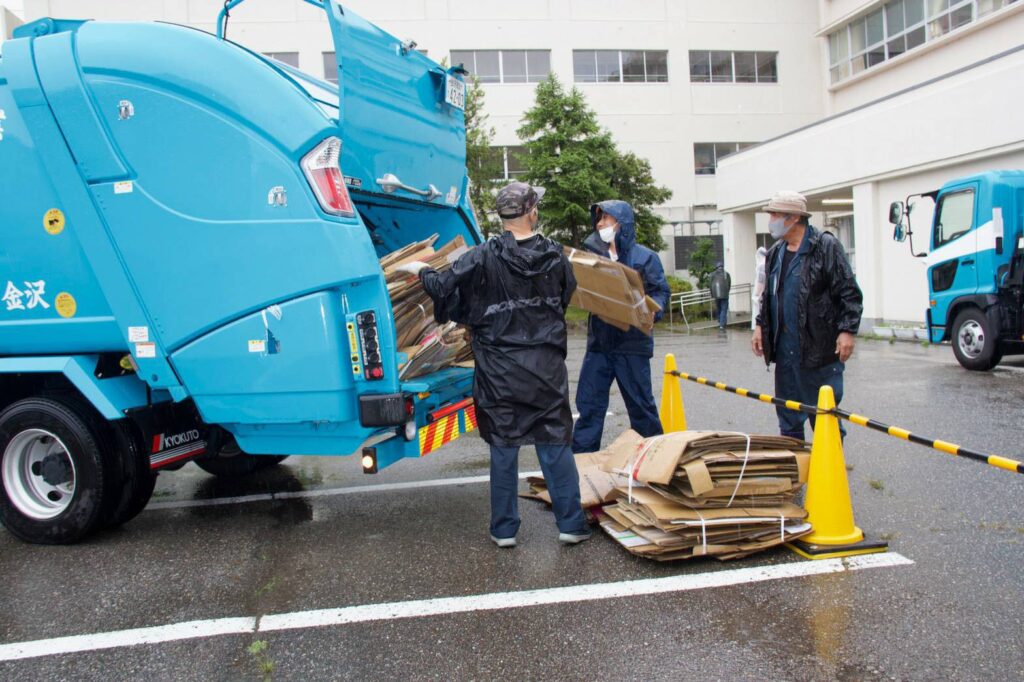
(723, 66)
(330, 68)
(620, 66)
(510, 162)
(289, 58)
(706, 155)
(505, 66)
(896, 27)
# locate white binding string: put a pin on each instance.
(746, 458)
(635, 461)
(703, 532)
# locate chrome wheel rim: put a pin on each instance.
(39, 474)
(971, 338)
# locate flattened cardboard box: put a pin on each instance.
(612, 291)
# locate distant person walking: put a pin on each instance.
(810, 310)
(721, 283)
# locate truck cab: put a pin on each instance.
(974, 265)
(190, 259)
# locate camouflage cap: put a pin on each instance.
(517, 199)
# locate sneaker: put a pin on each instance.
(504, 542)
(574, 538)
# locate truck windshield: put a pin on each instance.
(955, 217)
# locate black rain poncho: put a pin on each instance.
(513, 297)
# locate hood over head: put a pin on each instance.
(625, 238)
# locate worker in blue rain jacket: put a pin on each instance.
(612, 354)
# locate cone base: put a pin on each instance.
(810, 550)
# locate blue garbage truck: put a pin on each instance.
(189, 262)
(975, 265)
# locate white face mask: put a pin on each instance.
(607, 234)
(777, 227)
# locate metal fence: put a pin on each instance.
(739, 302)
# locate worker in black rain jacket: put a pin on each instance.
(512, 292)
(612, 354)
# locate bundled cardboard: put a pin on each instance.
(612, 291)
(695, 493)
(429, 346)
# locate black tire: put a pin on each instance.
(975, 340)
(231, 462)
(92, 484)
(138, 479)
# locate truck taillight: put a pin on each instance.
(323, 172)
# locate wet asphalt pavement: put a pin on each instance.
(956, 613)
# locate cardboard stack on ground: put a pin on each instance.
(695, 493)
(429, 346)
(612, 291)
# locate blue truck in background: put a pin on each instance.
(975, 265)
(189, 263)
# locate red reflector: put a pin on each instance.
(323, 172)
(376, 372)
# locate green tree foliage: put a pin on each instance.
(483, 161)
(702, 262)
(578, 163)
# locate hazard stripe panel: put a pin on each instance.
(438, 433)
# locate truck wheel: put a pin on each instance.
(139, 479)
(55, 482)
(975, 341)
(231, 462)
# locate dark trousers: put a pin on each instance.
(633, 374)
(722, 312)
(793, 382)
(563, 483)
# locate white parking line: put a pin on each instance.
(327, 492)
(201, 629)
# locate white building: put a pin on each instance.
(854, 102)
(918, 92)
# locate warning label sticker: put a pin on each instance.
(257, 346)
(138, 334)
(145, 350)
(66, 304)
(53, 221)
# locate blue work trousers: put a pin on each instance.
(793, 382)
(633, 374)
(723, 311)
(559, 467)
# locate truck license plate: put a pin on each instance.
(455, 92)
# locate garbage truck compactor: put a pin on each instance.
(189, 262)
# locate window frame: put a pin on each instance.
(936, 243)
(715, 157)
(648, 79)
(772, 57)
(529, 77)
(926, 29)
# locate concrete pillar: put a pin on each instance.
(740, 243)
(867, 215)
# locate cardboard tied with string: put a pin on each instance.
(612, 291)
(705, 493)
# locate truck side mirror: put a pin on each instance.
(896, 213)
(898, 233)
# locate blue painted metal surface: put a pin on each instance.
(997, 218)
(191, 238)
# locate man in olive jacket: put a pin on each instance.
(810, 310)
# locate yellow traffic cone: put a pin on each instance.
(672, 412)
(829, 509)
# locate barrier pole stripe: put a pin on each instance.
(895, 431)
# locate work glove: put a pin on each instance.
(412, 268)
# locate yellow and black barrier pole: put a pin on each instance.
(895, 431)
